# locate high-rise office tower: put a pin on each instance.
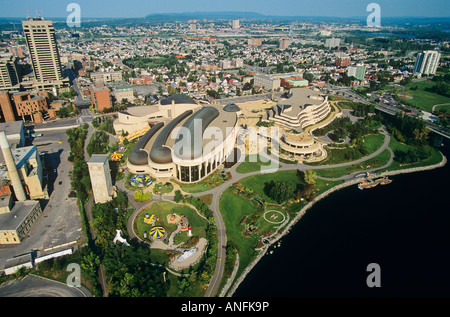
(9, 71)
(236, 24)
(41, 41)
(427, 62)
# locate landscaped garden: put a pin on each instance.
(216, 179)
(160, 212)
(162, 188)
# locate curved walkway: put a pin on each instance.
(236, 177)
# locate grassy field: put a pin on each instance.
(212, 181)
(258, 182)
(425, 100)
(378, 161)
(335, 156)
(435, 157)
(373, 142)
(253, 163)
(233, 208)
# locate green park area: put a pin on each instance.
(420, 95)
(430, 155)
(423, 98)
(348, 152)
(253, 163)
(378, 161)
(162, 212)
(260, 205)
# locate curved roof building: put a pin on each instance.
(188, 147)
(141, 117)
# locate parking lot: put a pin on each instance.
(60, 222)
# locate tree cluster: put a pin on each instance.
(407, 129)
(79, 176)
(98, 144)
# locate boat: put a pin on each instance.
(371, 185)
(367, 184)
(386, 181)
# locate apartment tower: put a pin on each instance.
(427, 62)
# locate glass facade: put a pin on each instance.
(184, 171)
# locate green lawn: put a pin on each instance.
(341, 155)
(212, 181)
(425, 100)
(258, 182)
(233, 208)
(164, 208)
(378, 161)
(253, 163)
(435, 157)
(373, 142)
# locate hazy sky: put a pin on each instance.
(140, 8)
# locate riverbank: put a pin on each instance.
(302, 212)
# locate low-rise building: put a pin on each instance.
(122, 93)
(100, 97)
(267, 82)
(106, 77)
(16, 219)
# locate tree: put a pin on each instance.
(309, 176)
(90, 264)
(280, 191)
(307, 191)
(178, 196)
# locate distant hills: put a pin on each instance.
(228, 15)
(208, 15)
(443, 22)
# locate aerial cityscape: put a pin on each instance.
(238, 150)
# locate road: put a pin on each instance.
(346, 92)
(236, 177)
(60, 221)
(33, 286)
(79, 101)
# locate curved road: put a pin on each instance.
(236, 177)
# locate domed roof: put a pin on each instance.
(231, 107)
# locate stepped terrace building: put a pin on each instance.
(189, 146)
(303, 107)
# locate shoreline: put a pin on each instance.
(302, 212)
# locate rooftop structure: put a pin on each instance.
(304, 107)
(189, 147)
(100, 175)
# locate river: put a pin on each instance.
(404, 227)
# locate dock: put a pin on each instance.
(369, 183)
